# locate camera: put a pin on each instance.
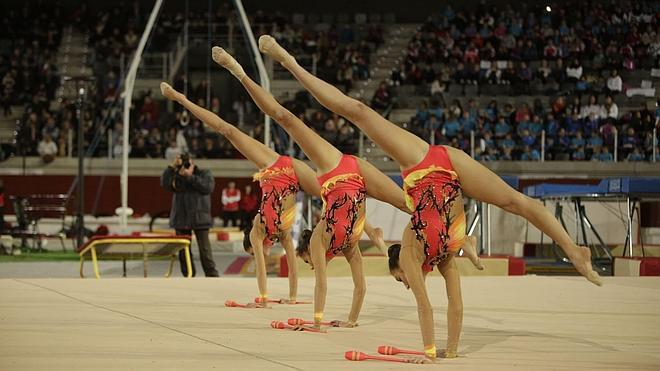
(185, 160)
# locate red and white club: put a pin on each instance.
(390, 351)
(300, 321)
(284, 326)
(233, 304)
(354, 355)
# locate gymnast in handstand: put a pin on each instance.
(280, 178)
(435, 180)
(345, 182)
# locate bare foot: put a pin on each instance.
(349, 324)
(581, 259)
(448, 354)
(269, 46)
(470, 250)
(379, 241)
(169, 92)
(221, 57)
(420, 361)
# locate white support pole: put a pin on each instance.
(111, 145)
(616, 145)
(361, 145)
(488, 228)
(69, 144)
(655, 145)
(128, 96)
(263, 76)
(472, 151)
(542, 145)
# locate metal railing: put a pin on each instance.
(655, 145)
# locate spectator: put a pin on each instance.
(438, 88)
(593, 108)
(530, 154)
(47, 149)
(635, 155)
(422, 113)
(527, 139)
(609, 109)
(467, 122)
(507, 142)
(51, 129)
(577, 141)
(551, 126)
(543, 71)
(210, 149)
(382, 97)
(139, 149)
(249, 206)
(614, 83)
(595, 142)
(231, 198)
(173, 151)
(451, 127)
(629, 140)
(574, 71)
(579, 154)
(191, 208)
(605, 155)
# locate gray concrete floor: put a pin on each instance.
(526, 323)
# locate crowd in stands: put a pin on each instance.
(541, 50)
(571, 130)
(573, 54)
(580, 46)
(29, 38)
(342, 51)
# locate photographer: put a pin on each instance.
(191, 207)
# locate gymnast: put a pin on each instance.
(435, 180)
(280, 178)
(345, 182)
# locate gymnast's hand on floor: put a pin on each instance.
(448, 354)
(303, 327)
(349, 324)
(257, 305)
(420, 361)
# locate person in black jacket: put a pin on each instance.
(191, 207)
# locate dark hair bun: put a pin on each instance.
(394, 250)
(393, 254)
(303, 245)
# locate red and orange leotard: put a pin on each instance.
(343, 192)
(277, 182)
(431, 188)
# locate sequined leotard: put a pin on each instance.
(431, 188)
(343, 192)
(277, 182)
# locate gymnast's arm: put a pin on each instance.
(354, 258)
(449, 271)
(257, 235)
(415, 277)
(287, 244)
(317, 252)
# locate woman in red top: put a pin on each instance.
(249, 205)
(435, 179)
(345, 181)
